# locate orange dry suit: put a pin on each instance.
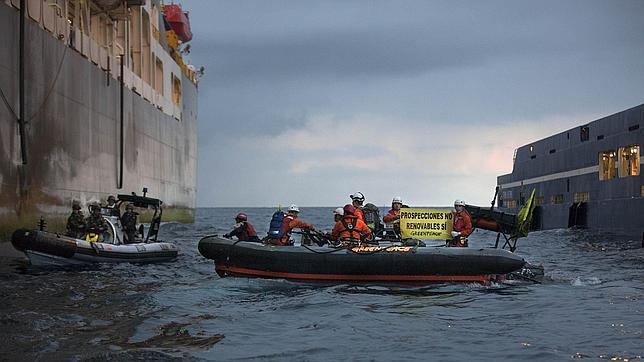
(288, 224)
(391, 216)
(462, 224)
(351, 228)
(360, 214)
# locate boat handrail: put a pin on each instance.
(113, 231)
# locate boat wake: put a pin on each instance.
(581, 281)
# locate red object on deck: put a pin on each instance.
(487, 224)
(179, 21)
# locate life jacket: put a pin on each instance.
(372, 217)
(275, 227)
(251, 230)
(247, 233)
(350, 227)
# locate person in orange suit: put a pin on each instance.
(350, 228)
(357, 199)
(462, 225)
(243, 230)
(393, 216)
(289, 223)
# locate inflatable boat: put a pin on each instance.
(45, 248)
(48, 248)
(378, 263)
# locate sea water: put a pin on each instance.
(590, 305)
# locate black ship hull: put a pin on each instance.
(586, 177)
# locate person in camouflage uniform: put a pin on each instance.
(76, 222)
(128, 222)
(95, 222)
(112, 207)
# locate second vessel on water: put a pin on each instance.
(47, 248)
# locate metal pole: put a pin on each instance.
(21, 83)
(120, 186)
(496, 192)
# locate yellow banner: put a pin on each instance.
(426, 223)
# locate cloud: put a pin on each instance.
(307, 102)
(367, 142)
(429, 162)
(374, 39)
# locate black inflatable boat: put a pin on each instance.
(382, 263)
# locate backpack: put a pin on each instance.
(372, 217)
(275, 228)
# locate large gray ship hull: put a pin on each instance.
(574, 187)
(73, 138)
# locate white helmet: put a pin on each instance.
(397, 200)
(293, 208)
(358, 196)
(459, 203)
(338, 211)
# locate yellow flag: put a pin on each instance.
(524, 218)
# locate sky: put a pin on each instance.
(307, 102)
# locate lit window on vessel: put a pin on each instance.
(557, 199)
(581, 197)
(607, 165)
(629, 161)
